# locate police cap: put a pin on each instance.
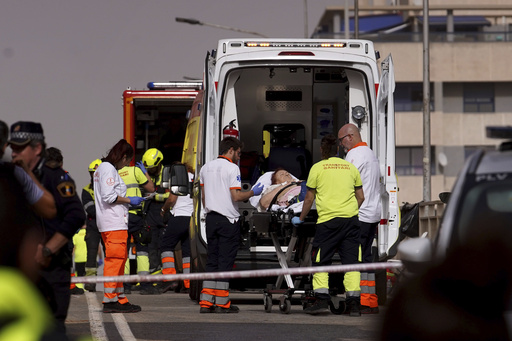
(23, 132)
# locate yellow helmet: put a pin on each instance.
(94, 165)
(152, 158)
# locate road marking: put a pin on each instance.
(123, 328)
(96, 318)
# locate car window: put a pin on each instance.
(485, 205)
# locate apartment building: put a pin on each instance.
(470, 77)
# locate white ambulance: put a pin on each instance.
(280, 97)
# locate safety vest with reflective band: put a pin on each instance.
(161, 194)
(215, 293)
(133, 178)
(89, 189)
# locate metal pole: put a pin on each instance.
(346, 19)
(306, 19)
(426, 105)
(356, 19)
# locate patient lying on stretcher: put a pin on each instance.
(286, 187)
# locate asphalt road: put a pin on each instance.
(173, 316)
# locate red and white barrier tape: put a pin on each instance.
(238, 274)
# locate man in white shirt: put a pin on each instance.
(360, 155)
(221, 190)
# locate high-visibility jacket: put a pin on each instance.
(133, 178)
(24, 312)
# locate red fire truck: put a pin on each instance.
(156, 117)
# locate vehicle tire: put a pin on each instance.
(195, 286)
(381, 286)
(337, 310)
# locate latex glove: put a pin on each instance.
(296, 221)
(140, 164)
(257, 189)
(136, 201)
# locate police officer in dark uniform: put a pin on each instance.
(54, 253)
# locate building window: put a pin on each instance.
(409, 97)
(469, 150)
(409, 161)
(478, 97)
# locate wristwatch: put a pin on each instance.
(47, 253)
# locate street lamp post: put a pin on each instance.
(426, 105)
(197, 22)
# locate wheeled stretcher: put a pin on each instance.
(297, 253)
(293, 246)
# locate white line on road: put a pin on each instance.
(95, 318)
(123, 328)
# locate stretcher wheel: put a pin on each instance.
(285, 306)
(268, 303)
(337, 311)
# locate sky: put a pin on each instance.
(66, 63)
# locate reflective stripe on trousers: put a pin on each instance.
(115, 257)
(215, 293)
(169, 268)
(368, 293)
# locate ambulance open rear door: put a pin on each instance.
(388, 231)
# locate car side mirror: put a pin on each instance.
(176, 179)
(444, 197)
(415, 254)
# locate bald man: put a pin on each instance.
(360, 155)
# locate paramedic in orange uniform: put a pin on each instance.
(112, 219)
(221, 190)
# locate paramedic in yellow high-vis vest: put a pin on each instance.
(135, 178)
(336, 186)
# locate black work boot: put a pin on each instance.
(352, 306)
(320, 306)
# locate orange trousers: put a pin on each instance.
(116, 253)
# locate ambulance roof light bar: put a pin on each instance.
(178, 85)
(297, 44)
